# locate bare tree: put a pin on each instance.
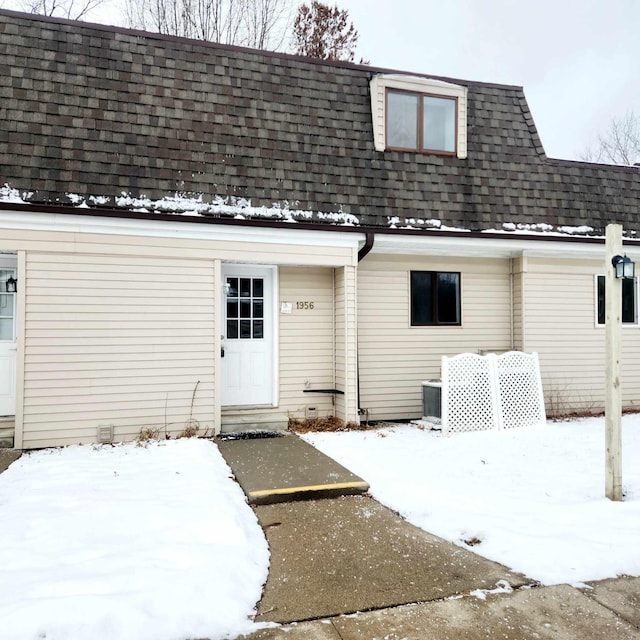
(252, 23)
(320, 31)
(619, 144)
(71, 9)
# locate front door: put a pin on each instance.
(248, 339)
(8, 285)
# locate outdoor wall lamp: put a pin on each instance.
(12, 284)
(624, 266)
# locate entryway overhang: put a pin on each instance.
(494, 245)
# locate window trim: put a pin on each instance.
(598, 324)
(434, 299)
(378, 86)
(420, 148)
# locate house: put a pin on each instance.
(225, 238)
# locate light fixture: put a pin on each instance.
(226, 288)
(12, 284)
(624, 266)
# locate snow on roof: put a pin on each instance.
(242, 209)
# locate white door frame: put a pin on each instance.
(274, 317)
(9, 347)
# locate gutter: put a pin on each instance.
(368, 245)
(366, 248)
(209, 220)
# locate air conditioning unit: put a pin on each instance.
(432, 399)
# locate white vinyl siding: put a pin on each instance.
(395, 357)
(306, 341)
(115, 340)
(115, 326)
(561, 327)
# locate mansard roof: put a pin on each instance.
(115, 118)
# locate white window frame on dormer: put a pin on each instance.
(379, 86)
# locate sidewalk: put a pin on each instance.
(608, 610)
(7, 456)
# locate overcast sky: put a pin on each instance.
(578, 60)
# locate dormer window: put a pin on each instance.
(419, 122)
(419, 114)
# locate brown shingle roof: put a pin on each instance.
(98, 111)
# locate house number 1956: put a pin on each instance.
(304, 304)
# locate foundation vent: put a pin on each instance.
(105, 433)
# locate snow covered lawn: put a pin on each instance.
(532, 499)
(127, 542)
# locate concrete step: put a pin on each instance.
(285, 468)
(240, 422)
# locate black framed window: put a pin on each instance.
(435, 298)
(629, 301)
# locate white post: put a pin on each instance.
(613, 389)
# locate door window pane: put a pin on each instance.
(245, 328)
(245, 287)
(258, 308)
(258, 329)
(258, 288)
(245, 308)
(6, 328)
(232, 308)
(232, 329)
(233, 287)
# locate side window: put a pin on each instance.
(435, 298)
(629, 300)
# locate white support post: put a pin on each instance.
(613, 388)
(217, 345)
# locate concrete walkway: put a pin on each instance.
(606, 611)
(348, 568)
(7, 456)
(284, 468)
(350, 554)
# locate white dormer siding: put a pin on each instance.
(379, 86)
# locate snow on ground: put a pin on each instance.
(129, 542)
(532, 499)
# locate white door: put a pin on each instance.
(7, 337)
(248, 340)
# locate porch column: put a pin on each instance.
(217, 346)
(346, 343)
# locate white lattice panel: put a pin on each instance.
(491, 392)
(468, 393)
(520, 390)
